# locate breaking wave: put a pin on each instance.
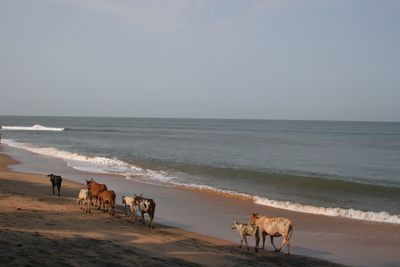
(116, 166)
(35, 127)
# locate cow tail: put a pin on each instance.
(291, 231)
(113, 204)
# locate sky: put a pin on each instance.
(248, 59)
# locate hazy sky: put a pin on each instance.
(335, 60)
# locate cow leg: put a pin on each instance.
(272, 242)
(59, 189)
(151, 221)
(263, 237)
(284, 242)
(142, 217)
(126, 213)
(53, 189)
(257, 242)
(247, 245)
(134, 209)
(241, 242)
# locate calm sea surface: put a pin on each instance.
(348, 168)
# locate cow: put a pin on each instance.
(129, 202)
(55, 180)
(244, 230)
(95, 189)
(107, 198)
(83, 200)
(274, 227)
(146, 205)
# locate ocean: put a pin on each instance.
(347, 169)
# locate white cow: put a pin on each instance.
(84, 199)
(274, 227)
(129, 202)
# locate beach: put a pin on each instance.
(189, 225)
(38, 228)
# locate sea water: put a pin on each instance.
(348, 169)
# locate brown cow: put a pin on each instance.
(107, 198)
(274, 227)
(95, 189)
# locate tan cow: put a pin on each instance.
(274, 227)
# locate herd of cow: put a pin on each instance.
(273, 227)
(106, 198)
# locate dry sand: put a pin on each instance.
(39, 229)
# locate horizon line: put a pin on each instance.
(196, 118)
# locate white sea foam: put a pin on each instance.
(336, 212)
(116, 166)
(35, 127)
(297, 207)
(92, 164)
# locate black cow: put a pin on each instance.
(55, 180)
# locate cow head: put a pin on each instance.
(253, 218)
(89, 184)
(234, 225)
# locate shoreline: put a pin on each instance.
(36, 223)
(340, 240)
(378, 211)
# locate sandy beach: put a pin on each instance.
(37, 228)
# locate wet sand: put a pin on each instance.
(341, 240)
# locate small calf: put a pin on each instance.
(55, 180)
(244, 230)
(84, 199)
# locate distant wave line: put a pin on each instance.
(36, 127)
